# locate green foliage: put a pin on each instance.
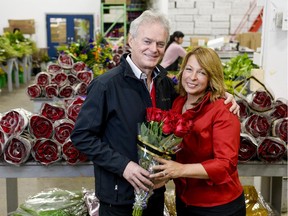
(237, 69)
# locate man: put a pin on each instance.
(106, 128)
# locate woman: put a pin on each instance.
(174, 52)
(205, 171)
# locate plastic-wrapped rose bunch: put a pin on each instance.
(271, 149)
(248, 147)
(280, 129)
(256, 125)
(160, 136)
(71, 154)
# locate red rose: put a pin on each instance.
(40, 126)
(154, 114)
(257, 125)
(52, 112)
(51, 90)
(280, 110)
(74, 108)
(248, 148)
(280, 129)
(53, 68)
(65, 61)
(43, 79)
(81, 88)
(261, 101)
(85, 76)
(14, 122)
(72, 79)
(60, 79)
(66, 92)
(244, 109)
(78, 66)
(71, 154)
(34, 91)
(17, 150)
(169, 122)
(62, 130)
(271, 149)
(46, 151)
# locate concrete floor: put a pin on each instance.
(31, 186)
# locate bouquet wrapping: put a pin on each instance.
(71, 154)
(66, 92)
(53, 68)
(62, 130)
(280, 109)
(160, 136)
(46, 151)
(72, 79)
(60, 79)
(40, 126)
(261, 100)
(65, 61)
(78, 66)
(52, 112)
(34, 91)
(17, 150)
(51, 90)
(43, 79)
(3, 139)
(280, 129)
(271, 149)
(14, 121)
(257, 125)
(248, 147)
(74, 107)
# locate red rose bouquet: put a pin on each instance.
(280, 129)
(160, 136)
(248, 148)
(271, 149)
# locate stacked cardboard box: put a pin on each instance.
(251, 40)
(25, 26)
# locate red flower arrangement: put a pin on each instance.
(160, 136)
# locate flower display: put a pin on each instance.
(257, 125)
(46, 151)
(17, 150)
(160, 136)
(71, 154)
(248, 147)
(271, 149)
(40, 126)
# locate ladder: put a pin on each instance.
(257, 22)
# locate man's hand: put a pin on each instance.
(137, 177)
(235, 108)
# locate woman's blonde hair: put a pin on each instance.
(209, 60)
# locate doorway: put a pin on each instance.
(65, 29)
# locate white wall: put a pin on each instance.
(37, 10)
(274, 49)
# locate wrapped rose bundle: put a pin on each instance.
(51, 90)
(74, 107)
(17, 150)
(46, 151)
(280, 129)
(14, 121)
(40, 126)
(78, 66)
(81, 88)
(271, 149)
(34, 91)
(3, 139)
(53, 68)
(244, 109)
(71, 154)
(261, 100)
(43, 79)
(248, 148)
(66, 92)
(85, 76)
(280, 109)
(256, 125)
(65, 61)
(60, 79)
(52, 112)
(72, 79)
(160, 136)
(62, 130)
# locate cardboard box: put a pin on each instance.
(198, 41)
(25, 26)
(251, 40)
(117, 1)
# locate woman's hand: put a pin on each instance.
(235, 108)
